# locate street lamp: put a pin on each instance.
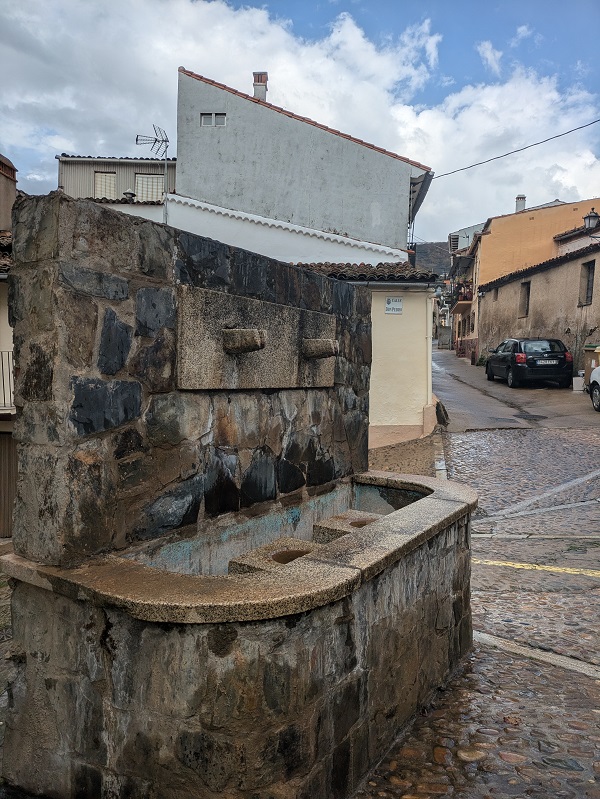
(591, 220)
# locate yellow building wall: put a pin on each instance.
(525, 239)
(401, 368)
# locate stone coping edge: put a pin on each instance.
(335, 571)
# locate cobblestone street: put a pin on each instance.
(522, 718)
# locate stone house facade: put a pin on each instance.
(507, 245)
(558, 298)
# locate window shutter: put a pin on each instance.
(105, 185)
(149, 188)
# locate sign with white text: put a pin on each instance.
(393, 305)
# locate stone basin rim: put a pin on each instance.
(339, 568)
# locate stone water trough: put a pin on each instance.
(213, 596)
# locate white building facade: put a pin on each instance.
(244, 154)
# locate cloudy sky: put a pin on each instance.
(444, 83)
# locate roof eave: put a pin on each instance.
(280, 110)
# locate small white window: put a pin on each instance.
(213, 120)
(105, 185)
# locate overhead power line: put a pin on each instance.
(432, 244)
(512, 152)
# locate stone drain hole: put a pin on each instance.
(288, 555)
(361, 522)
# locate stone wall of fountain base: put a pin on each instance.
(118, 692)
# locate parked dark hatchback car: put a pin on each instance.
(527, 360)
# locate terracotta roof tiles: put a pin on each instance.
(541, 267)
(112, 158)
(382, 272)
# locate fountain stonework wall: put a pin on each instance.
(112, 450)
(212, 596)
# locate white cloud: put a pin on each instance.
(481, 122)
(523, 32)
(93, 98)
(490, 57)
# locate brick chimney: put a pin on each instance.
(260, 85)
(520, 203)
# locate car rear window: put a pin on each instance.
(543, 345)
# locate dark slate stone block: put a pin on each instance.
(340, 771)
(36, 384)
(217, 760)
(292, 748)
(155, 365)
(221, 639)
(202, 262)
(258, 481)
(221, 493)
(320, 467)
(277, 689)
(99, 406)
(127, 442)
(362, 295)
(362, 342)
(343, 298)
(248, 274)
(288, 285)
(154, 309)
(289, 476)
(115, 343)
(346, 710)
(156, 247)
(16, 299)
(97, 284)
(271, 270)
(317, 291)
(175, 508)
(87, 780)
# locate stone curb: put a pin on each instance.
(537, 654)
(439, 455)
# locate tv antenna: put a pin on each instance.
(159, 142)
(159, 145)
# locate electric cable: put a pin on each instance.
(512, 152)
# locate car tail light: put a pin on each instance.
(520, 357)
(568, 357)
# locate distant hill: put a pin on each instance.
(433, 256)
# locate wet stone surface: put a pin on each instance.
(505, 727)
(508, 726)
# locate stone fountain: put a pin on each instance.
(213, 596)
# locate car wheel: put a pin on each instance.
(565, 383)
(511, 380)
(595, 395)
(488, 372)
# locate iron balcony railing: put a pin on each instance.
(7, 384)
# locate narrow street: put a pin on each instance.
(522, 718)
